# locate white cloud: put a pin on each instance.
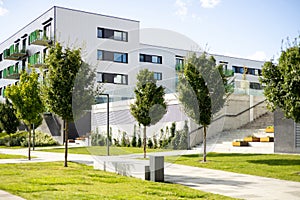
(258, 55)
(182, 9)
(3, 11)
(209, 3)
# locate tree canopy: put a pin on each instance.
(149, 106)
(63, 65)
(26, 99)
(8, 119)
(202, 90)
(282, 82)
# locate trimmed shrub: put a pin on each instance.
(41, 140)
(14, 139)
(98, 139)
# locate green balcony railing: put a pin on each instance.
(12, 72)
(228, 72)
(14, 53)
(179, 67)
(37, 37)
(36, 60)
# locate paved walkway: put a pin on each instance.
(215, 181)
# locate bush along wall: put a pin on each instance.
(20, 138)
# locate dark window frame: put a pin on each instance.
(111, 34)
(149, 58)
(159, 77)
(110, 78)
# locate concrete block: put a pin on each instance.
(157, 168)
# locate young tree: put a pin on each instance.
(26, 99)
(63, 65)
(8, 119)
(149, 106)
(202, 91)
(282, 82)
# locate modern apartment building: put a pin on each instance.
(115, 48)
(111, 44)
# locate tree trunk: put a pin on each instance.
(29, 141)
(144, 141)
(66, 142)
(33, 132)
(204, 144)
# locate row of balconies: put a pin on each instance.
(14, 52)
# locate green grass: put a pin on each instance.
(285, 167)
(101, 150)
(9, 156)
(13, 147)
(53, 181)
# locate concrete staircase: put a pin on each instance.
(263, 121)
(222, 142)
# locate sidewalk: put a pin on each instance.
(215, 181)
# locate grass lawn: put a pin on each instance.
(9, 156)
(101, 150)
(53, 181)
(285, 167)
(14, 147)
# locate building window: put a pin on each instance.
(151, 58)
(47, 32)
(255, 86)
(120, 57)
(112, 34)
(179, 64)
(112, 78)
(158, 76)
(99, 55)
(100, 32)
(112, 56)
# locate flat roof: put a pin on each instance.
(75, 10)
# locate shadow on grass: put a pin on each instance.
(221, 155)
(274, 162)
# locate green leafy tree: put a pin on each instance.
(8, 119)
(63, 65)
(149, 106)
(202, 91)
(26, 99)
(282, 82)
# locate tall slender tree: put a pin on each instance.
(149, 106)
(26, 99)
(202, 90)
(63, 65)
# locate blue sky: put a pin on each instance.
(243, 28)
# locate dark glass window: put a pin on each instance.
(150, 58)
(99, 55)
(255, 86)
(112, 34)
(100, 32)
(158, 76)
(120, 57)
(112, 78)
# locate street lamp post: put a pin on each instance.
(107, 123)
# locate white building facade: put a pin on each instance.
(113, 46)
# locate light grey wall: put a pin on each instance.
(284, 136)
